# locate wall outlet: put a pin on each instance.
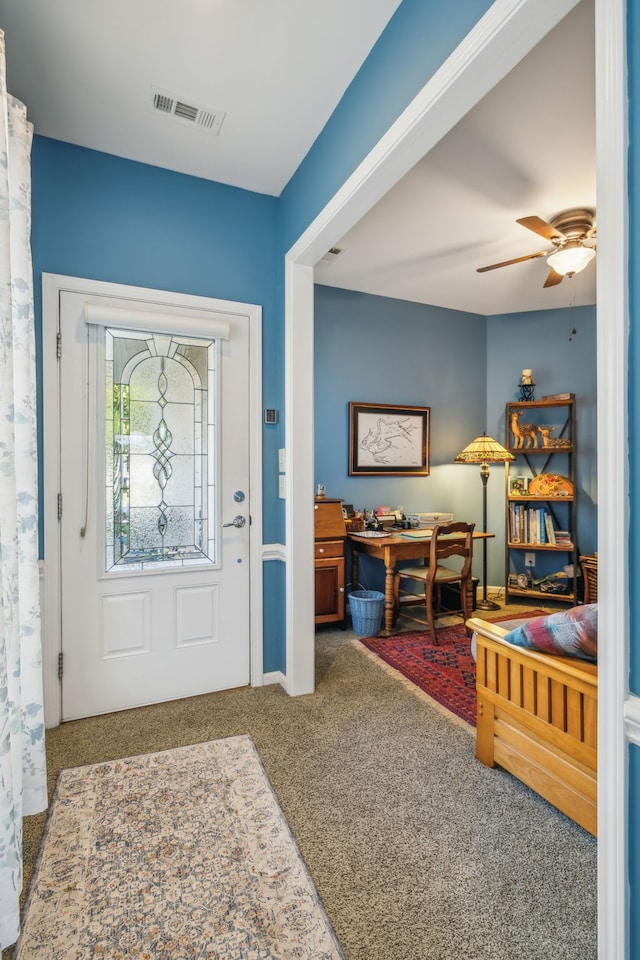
(282, 486)
(529, 559)
(281, 460)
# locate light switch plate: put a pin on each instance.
(282, 486)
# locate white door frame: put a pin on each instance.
(52, 286)
(508, 31)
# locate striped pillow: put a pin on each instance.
(570, 633)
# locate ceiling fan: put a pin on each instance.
(571, 234)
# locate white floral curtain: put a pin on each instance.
(22, 757)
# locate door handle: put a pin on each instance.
(238, 521)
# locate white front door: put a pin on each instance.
(154, 463)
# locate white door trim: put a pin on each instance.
(52, 286)
(613, 481)
(502, 37)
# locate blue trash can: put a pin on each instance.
(367, 608)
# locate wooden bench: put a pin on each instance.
(537, 718)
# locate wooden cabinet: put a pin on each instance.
(329, 550)
(541, 515)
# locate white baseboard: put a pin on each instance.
(276, 676)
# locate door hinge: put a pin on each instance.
(58, 345)
(60, 662)
(59, 506)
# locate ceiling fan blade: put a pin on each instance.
(541, 227)
(553, 278)
(507, 263)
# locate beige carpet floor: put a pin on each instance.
(418, 851)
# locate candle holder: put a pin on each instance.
(526, 392)
(526, 386)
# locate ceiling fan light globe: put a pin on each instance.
(571, 259)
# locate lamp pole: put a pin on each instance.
(484, 450)
(485, 603)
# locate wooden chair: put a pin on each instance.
(422, 585)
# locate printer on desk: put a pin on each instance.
(427, 521)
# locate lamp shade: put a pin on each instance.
(570, 259)
(484, 449)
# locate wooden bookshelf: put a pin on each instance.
(540, 499)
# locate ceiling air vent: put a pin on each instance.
(191, 113)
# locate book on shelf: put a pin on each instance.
(551, 533)
(557, 396)
(531, 525)
(563, 537)
(542, 525)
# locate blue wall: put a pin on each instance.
(561, 361)
(273, 591)
(418, 39)
(465, 368)
(379, 350)
(101, 217)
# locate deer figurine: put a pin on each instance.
(557, 443)
(524, 434)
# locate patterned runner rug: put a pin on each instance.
(180, 854)
(447, 673)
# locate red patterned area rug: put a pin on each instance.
(447, 673)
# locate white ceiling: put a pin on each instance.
(275, 68)
(528, 148)
(86, 70)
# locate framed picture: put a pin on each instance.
(518, 486)
(388, 440)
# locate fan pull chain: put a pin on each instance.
(572, 301)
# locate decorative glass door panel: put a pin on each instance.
(160, 450)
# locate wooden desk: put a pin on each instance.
(390, 549)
